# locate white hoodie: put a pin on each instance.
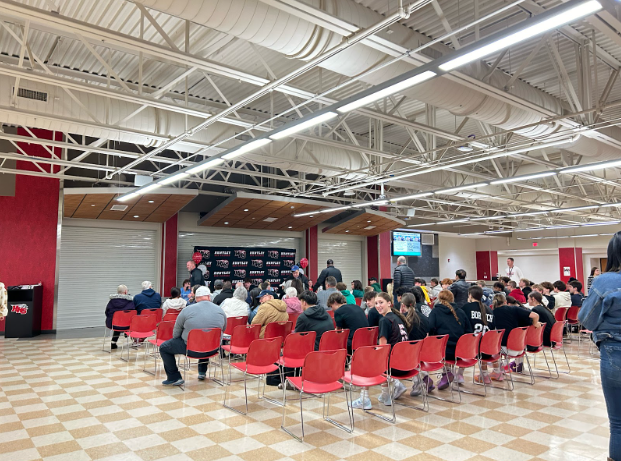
(562, 299)
(174, 303)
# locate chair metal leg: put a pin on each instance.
(392, 404)
(423, 393)
(103, 346)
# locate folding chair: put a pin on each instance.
(260, 360)
(331, 314)
(278, 329)
(171, 315)
(293, 317)
(556, 341)
(321, 375)
(490, 347)
(164, 333)
(141, 327)
(432, 357)
(120, 322)
(241, 337)
(405, 356)
(466, 356)
(572, 320)
(517, 342)
(333, 340)
(232, 322)
(159, 313)
(203, 344)
(534, 339)
(369, 367)
(366, 336)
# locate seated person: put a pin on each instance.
(548, 289)
(314, 317)
(270, 310)
(121, 301)
(562, 298)
(575, 292)
(347, 316)
(516, 292)
(524, 285)
(217, 287)
(421, 305)
(480, 316)
(399, 292)
(418, 328)
(356, 289)
(148, 298)
(446, 283)
(376, 286)
(545, 316)
(340, 286)
(488, 294)
(323, 295)
(253, 295)
(175, 302)
(539, 289)
(498, 287)
(200, 315)
(505, 281)
(227, 292)
(435, 288)
(237, 305)
(423, 286)
(186, 290)
(373, 317)
(292, 301)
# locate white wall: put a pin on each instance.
(537, 268)
(462, 255)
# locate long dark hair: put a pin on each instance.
(409, 301)
(476, 293)
(357, 285)
(593, 269)
(614, 253)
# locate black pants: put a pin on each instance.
(169, 348)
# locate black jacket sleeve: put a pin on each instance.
(320, 280)
(396, 280)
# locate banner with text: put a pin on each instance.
(258, 264)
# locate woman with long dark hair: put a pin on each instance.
(601, 313)
(594, 273)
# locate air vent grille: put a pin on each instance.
(427, 239)
(31, 94)
(118, 208)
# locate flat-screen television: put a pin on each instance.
(406, 244)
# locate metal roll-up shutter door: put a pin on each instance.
(93, 262)
(188, 240)
(347, 257)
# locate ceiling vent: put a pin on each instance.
(30, 94)
(369, 227)
(270, 219)
(427, 239)
(118, 207)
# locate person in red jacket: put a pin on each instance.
(516, 292)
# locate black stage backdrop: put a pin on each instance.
(235, 264)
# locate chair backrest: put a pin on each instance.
(122, 319)
(159, 313)
(204, 339)
(276, 329)
(366, 336)
(143, 323)
(491, 343)
(263, 352)
(243, 335)
(171, 315)
(330, 313)
(370, 361)
(232, 322)
(556, 334)
(434, 349)
(165, 331)
(405, 355)
(358, 301)
(467, 347)
(293, 317)
(534, 336)
(298, 345)
(333, 340)
(560, 313)
(323, 367)
(517, 339)
(572, 314)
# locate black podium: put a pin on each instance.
(24, 316)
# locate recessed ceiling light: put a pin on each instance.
(92, 205)
(290, 227)
(311, 216)
(292, 206)
(368, 221)
(136, 216)
(246, 209)
(226, 223)
(346, 231)
(151, 201)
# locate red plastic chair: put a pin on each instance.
(260, 360)
(171, 315)
(331, 314)
(368, 368)
(358, 301)
(333, 340)
(366, 336)
(159, 313)
(560, 314)
(556, 341)
(405, 356)
(241, 338)
(491, 345)
(321, 374)
(516, 342)
(466, 356)
(278, 329)
(164, 333)
(572, 319)
(141, 327)
(534, 339)
(432, 357)
(232, 322)
(203, 344)
(120, 322)
(293, 317)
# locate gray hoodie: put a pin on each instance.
(204, 314)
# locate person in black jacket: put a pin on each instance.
(196, 276)
(417, 325)
(313, 318)
(296, 274)
(460, 288)
(327, 272)
(121, 301)
(403, 275)
(227, 292)
(535, 300)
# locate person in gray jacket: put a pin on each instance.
(323, 295)
(460, 289)
(200, 315)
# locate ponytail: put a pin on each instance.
(476, 293)
(411, 318)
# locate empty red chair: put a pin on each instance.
(293, 317)
(432, 356)
(203, 344)
(232, 322)
(171, 315)
(321, 374)
(405, 357)
(516, 342)
(159, 313)
(120, 322)
(141, 327)
(368, 368)
(466, 355)
(366, 336)
(556, 341)
(260, 360)
(490, 347)
(164, 333)
(572, 318)
(241, 338)
(333, 340)
(278, 329)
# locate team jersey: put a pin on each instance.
(473, 313)
(392, 328)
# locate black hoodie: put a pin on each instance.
(316, 319)
(442, 322)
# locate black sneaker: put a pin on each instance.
(173, 382)
(113, 346)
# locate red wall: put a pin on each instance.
(28, 229)
(572, 258)
(312, 254)
(487, 264)
(385, 258)
(169, 252)
(372, 258)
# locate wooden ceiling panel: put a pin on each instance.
(71, 204)
(365, 222)
(92, 205)
(167, 210)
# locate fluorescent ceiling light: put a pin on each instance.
(499, 231)
(423, 224)
(579, 11)
(534, 213)
(578, 208)
(608, 205)
(568, 226)
(457, 189)
(465, 149)
(149, 188)
(592, 167)
(338, 208)
(601, 223)
(304, 125)
(375, 203)
(247, 148)
(174, 178)
(485, 218)
(415, 196)
(480, 145)
(124, 198)
(310, 213)
(206, 165)
(402, 85)
(454, 221)
(523, 178)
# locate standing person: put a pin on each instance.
(347, 316)
(175, 302)
(535, 302)
(345, 292)
(270, 310)
(196, 276)
(121, 301)
(356, 289)
(148, 298)
(575, 292)
(513, 272)
(200, 315)
(186, 290)
(313, 317)
(376, 286)
(329, 271)
(237, 305)
(323, 295)
(594, 273)
(403, 275)
(298, 275)
(225, 293)
(460, 288)
(601, 313)
(562, 298)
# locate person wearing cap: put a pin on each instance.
(329, 271)
(203, 314)
(296, 273)
(270, 310)
(376, 286)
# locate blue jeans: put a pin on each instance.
(610, 369)
(173, 346)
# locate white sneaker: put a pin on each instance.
(358, 404)
(384, 399)
(398, 390)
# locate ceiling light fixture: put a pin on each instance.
(395, 88)
(523, 178)
(552, 21)
(330, 210)
(247, 148)
(124, 198)
(136, 216)
(486, 218)
(203, 166)
(374, 203)
(246, 209)
(453, 221)
(411, 197)
(533, 213)
(174, 178)
(578, 208)
(457, 189)
(299, 215)
(151, 201)
(592, 167)
(304, 125)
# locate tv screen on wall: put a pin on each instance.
(406, 244)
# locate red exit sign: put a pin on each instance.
(535, 244)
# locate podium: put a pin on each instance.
(24, 317)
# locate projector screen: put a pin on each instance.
(406, 244)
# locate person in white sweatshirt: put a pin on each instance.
(175, 302)
(562, 298)
(237, 305)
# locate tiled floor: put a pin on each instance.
(65, 399)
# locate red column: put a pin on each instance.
(28, 228)
(312, 253)
(487, 264)
(169, 255)
(385, 259)
(372, 257)
(570, 259)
